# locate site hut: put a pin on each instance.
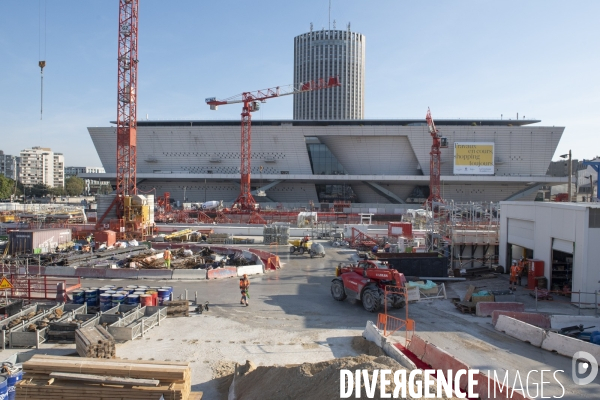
(564, 236)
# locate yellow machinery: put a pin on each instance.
(136, 216)
(300, 246)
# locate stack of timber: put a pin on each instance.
(177, 308)
(94, 342)
(58, 377)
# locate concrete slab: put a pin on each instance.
(521, 330)
(59, 271)
(155, 274)
(121, 273)
(221, 273)
(485, 309)
(189, 274)
(535, 319)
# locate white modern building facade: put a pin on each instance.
(358, 161)
(8, 165)
(40, 165)
(325, 53)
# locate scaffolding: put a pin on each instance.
(466, 233)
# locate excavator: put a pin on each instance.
(366, 281)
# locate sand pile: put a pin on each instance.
(222, 373)
(306, 381)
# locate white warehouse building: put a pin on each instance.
(358, 161)
(565, 236)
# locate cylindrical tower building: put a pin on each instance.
(325, 53)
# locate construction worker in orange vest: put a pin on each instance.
(244, 285)
(515, 275)
(167, 256)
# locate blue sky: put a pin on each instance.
(464, 59)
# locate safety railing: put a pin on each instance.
(38, 288)
(390, 324)
(545, 294)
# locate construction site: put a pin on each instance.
(293, 289)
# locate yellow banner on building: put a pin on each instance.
(473, 158)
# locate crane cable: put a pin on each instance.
(42, 63)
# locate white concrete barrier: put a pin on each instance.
(568, 346)
(59, 271)
(189, 274)
(562, 321)
(250, 270)
(521, 330)
(373, 334)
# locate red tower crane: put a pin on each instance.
(126, 107)
(127, 101)
(435, 162)
(251, 102)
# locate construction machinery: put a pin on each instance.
(132, 220)
(299, 246)
(435, 194)
(367, 282)
(251, 102)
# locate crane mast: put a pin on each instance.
(127, 102)
(251, 102)
(435, 162)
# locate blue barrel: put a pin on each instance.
(78, 297)
(3, 387)
(102, 290)
(155, 288)
(105, 302)
(133, 299)
(144, 288)
(11, 382)
(117, 299)
(138, 293)
(163, 295)
(111, 292)
(91, 298)
(169, 288)
(111, 287)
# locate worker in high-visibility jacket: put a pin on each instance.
(244, 286)
(167, 257)
(515, 275)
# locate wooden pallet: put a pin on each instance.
(55, 377)
(465, 307)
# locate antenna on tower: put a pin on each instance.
(329, 14)
(311, 26)
(334, 24)
(348, 26)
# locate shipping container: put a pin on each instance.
(105, 237)
(37, 241)
(417, 264)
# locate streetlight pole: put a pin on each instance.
(570, 176)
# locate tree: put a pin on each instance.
(58, 191)
(38, 190)
(74, 186)
(105, 189)
(7, 187)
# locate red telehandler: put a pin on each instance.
(366, 281)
